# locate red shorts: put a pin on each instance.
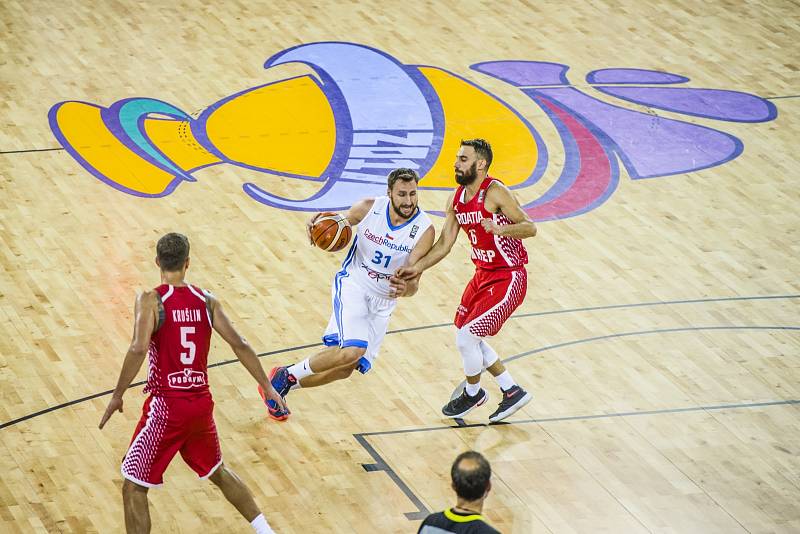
(490, 298)
(169, 425)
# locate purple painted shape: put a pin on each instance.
(633, 76)
(590, 174)
(650, 146)
(335, 195)
(338, 193)
(525, 73)
(717, 104)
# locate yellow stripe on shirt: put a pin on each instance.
(452, 516)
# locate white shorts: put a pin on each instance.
(359, 318)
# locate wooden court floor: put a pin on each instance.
(660, 335)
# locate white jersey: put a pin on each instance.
(379, 248)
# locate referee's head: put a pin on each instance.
(471, 476)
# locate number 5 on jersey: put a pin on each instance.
(187, 358)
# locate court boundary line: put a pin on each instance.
(73, 402)
(422, 511)
(28, 150)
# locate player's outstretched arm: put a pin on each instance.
(242, 349)
(500, 199)
(144, 323)
(438, 251)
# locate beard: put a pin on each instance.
(411, 208)
(467, 177)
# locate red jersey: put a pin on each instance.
(488, 251)
(178, 355)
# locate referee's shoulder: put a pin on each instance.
(439, 523)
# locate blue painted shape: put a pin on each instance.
(128, 115)
(625, 75)
(378, 90)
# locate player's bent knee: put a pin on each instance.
(351, 355)
(469, 347)
(466, 340)
(217, 477)
(131, 488)
(347, 370)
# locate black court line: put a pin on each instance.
(779, 97)
(381, 465)
(422, 511)
(25, 151)
(426, 327)
(135, 384)
(618, 306)
(646, 332)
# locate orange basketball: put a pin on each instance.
(331, 232)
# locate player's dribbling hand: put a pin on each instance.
(114, 405)
(397, 286)
(271, 394)
(407, 272)
(490, 226)
(310, 225)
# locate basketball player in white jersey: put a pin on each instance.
(392, 232)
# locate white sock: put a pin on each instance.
(472, 389)
(261, 526)
(505, 381)
(301, 370)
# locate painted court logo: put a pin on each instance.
(362, 113)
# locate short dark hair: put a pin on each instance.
(172, 250)
(482, 149)
(403, 174)
(471, 483)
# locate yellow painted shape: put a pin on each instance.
(175, 140)
(284, 127)
(469, 113)
(83, 128)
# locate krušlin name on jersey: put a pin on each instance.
(186, 315)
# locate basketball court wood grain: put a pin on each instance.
(659, 336)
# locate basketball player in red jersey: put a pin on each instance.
(495, 224)
(173, 326)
